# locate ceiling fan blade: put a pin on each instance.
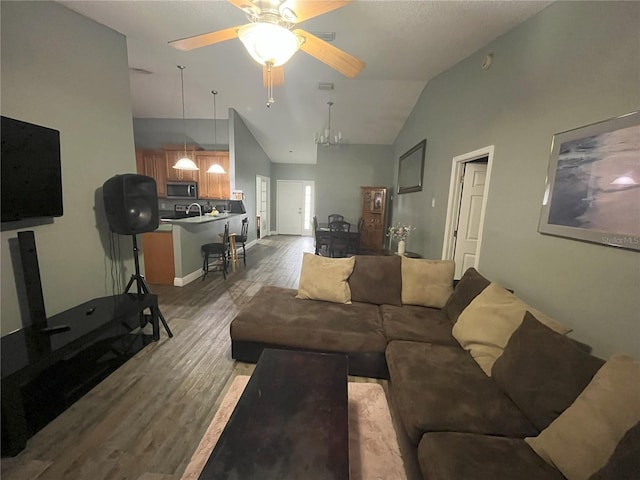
(304, 10)
(205, 39)
(277, 76)
(339, 60)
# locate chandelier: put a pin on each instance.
(328, 138)
(185, 163)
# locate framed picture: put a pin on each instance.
(593, 184)
(411, 169)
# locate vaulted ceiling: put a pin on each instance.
(404, 44)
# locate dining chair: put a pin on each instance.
(339, 238)
(321, 238)
(335, 217)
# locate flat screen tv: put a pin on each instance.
(31, 178)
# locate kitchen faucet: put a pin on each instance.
(197, 205)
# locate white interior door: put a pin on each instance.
(290, 199)
(263, 204)
(470, 217)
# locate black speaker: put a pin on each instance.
(131, 204)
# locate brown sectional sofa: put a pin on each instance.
(460, 422)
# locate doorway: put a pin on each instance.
(263, 206)
(295, 199)
(468, 191)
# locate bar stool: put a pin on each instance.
(242, 238)
(220, 251)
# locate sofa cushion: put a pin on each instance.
(441, 388)
(325, 279)
(417, 324)
(377, 279)
(467, 288)
(426, 282)
(582, 439)
(275, 316)
(485, 326)
(455, 456)
(542, 371)
(625, 460)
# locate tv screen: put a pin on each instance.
(31, 174)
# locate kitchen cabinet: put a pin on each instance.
(157, 249)
(373, 208)
(213, 185)
(153, 163)
(159, 163)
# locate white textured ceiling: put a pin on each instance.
(404, 44)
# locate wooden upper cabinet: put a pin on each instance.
(153, 163)
(175, 175)
(373, 206)
(213, 185)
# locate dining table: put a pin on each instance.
(324, 236)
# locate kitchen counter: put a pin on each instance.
(188, 236)
(206, 218)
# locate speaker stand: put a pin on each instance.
(142, 287)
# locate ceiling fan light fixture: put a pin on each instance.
(269, 43)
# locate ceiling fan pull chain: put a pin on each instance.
(270, 99)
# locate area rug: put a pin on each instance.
(373, 448)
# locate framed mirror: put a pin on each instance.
(411, 169)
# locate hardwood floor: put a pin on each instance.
(145, 420)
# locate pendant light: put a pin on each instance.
(185, 163)
(215, 168)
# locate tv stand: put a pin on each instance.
(45, 369)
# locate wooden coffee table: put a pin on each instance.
(290, 422)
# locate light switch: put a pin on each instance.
(433, 203)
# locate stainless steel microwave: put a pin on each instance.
(187, 190)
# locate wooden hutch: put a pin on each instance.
(373, 210)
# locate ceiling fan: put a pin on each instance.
(270, 37)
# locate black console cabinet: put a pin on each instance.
(47, 368)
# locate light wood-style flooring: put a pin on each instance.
(145, 420)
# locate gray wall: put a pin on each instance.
(69, 73)
(573, 64)
(342, 170)
(156, 132)
(250, 160)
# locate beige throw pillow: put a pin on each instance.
(426, 282)
(486, 324)
(323, 278)
(580, 441)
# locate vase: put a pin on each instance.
(401, 247)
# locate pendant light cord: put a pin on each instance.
(184, 122)
(215, 118)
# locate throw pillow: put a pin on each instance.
(542, 371)
(323, 278)
(485, 326)
(468, 288)
(377, 279)
(427, 283)
(625, 460)
(581, 440)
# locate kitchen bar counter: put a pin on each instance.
(188, 235)
(206, 218)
